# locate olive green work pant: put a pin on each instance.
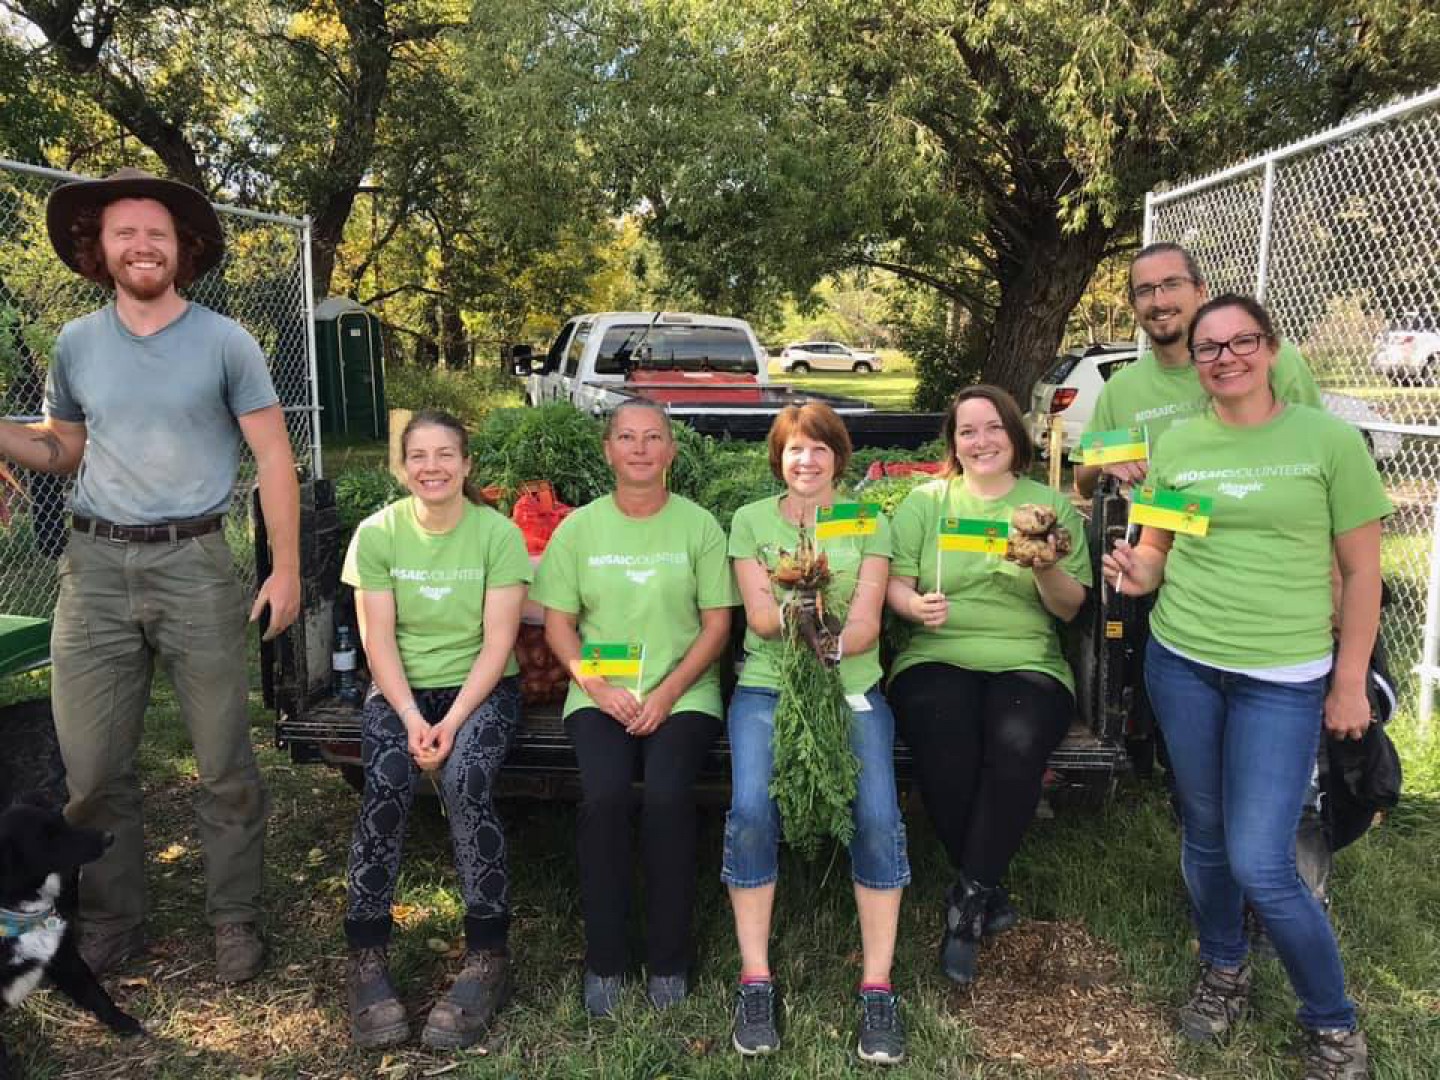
(122, 605)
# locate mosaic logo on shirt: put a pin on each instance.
(1183, 408)
(1247, 473)
(436, 585)
(641, 568)
(1239, 491)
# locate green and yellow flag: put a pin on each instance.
(974, 534)
(1173, 510)
(846, 519)
(1111, 447)
(612, 660)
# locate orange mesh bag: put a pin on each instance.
(543, 679)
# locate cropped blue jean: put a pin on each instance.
(752, 827)
(1243, 751)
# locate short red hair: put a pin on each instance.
(815, 420)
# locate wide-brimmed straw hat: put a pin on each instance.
(187, 205)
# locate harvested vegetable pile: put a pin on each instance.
(816, 772)
(1033, 530)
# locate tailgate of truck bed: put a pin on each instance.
(24, 643)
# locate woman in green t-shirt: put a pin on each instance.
(981, 691)
(439, 580)
(637, 597)
(809, 449)
(1242, 666)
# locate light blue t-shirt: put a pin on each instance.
(162, 441)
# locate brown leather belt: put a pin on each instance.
(148, 534)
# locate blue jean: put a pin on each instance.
(1243, 751)
(752, 827)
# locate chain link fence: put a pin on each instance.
(1339, 235)
(263, 283)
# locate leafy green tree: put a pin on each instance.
(992, 152)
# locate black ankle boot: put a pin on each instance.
(964, 925)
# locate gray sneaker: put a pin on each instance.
(1219, 1000)
(757, 1028)
(665, 991)
(602, 993)
(882, 1035)
(1337, 1054)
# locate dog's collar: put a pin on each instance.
(18, 923)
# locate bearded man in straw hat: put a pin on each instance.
(147, 400)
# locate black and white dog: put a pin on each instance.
(40, 857)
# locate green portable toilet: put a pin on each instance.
(350, 362)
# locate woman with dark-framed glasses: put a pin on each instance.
(1243, 668)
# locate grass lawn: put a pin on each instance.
(1085, 987)
(890, 389)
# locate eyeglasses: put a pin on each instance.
(1207, 352)
(1159, 288)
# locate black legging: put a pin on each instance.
(980, 741)
(669, 761)
(467, 782)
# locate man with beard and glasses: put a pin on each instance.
(147, 400)
(1161, 388)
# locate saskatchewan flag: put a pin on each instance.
(612, 660)
(846, 519)
(974, 534)
(1109, 447)
(1172, 510)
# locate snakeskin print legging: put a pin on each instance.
(467, 783)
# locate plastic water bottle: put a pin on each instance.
(343, 662)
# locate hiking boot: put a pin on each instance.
(463, 1015)
(602, 993)
(757, 1010)
(882, 1035)
(377, 1019)
(1219, 1000)
(105, 950)
(964, 926)
(1000, 914)
(1337, 1054)
(665, 991)
(239, 952)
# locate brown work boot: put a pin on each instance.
(1219, 1000)
(377, 1019)
(104, 950)
(1337, 1054)
(463, 1015)
(239, 952)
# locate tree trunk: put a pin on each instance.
(1039, 287)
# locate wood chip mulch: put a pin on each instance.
(1052, 998)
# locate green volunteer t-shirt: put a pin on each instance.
(640, 581)
(439, 582)
(759, 528)
(1255, 592)
(996, 620)
(1149, 394)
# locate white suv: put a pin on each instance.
(802, 356)
(1410, 350)
(1072, 387)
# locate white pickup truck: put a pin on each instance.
(709, 369)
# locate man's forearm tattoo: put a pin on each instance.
(53, 447)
